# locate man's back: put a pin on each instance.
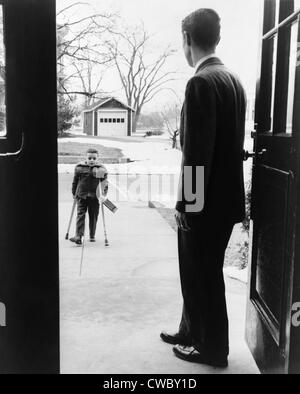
(212, 135)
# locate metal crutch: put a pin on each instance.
(104, 225)
(103, 216)
(71, 218)
(82, 249)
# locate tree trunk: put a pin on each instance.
(88, 101)
(135, 119)
(174, 146)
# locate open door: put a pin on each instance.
(273, 318)
(29, 286)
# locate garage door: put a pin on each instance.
(112, 123)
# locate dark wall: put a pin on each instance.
(88, 123)
(95, 123)
(129, 123)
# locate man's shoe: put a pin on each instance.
(76, 240)
(192, 355)
(175, 339)
(92, 239)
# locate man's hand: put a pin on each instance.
(102, 199)
(181, 220)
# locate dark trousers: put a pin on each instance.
(201, 258)
(92, 206)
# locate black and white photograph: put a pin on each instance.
(149, 190)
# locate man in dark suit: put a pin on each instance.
(212, 136)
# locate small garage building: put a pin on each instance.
(108, 117)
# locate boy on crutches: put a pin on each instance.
(87, 178)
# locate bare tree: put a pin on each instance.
(142, 75)
(90, 77)
(81, 53)
(171, 116)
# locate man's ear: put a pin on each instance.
(218, 42)
(187, 38)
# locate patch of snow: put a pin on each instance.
(237, 274)
(148, 158)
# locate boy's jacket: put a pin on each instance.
(87, 179)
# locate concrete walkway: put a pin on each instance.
(112, 315)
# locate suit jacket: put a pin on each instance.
(212, 135)
(86, 181)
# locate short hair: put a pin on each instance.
(92, 151)
(204, 27)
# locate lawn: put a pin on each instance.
(79, 149)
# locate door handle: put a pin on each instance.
(17, 153)
(252, 155)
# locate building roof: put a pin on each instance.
(103, 101)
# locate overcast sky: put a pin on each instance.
(240, 34)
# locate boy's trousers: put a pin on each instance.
(91, 205)
(201, 257)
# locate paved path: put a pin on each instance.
(112, 315)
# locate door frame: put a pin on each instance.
(29, 259)
(262, 337)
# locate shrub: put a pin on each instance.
(154, 133)
(65, 115)
(246, 223)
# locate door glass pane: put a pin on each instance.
(275, 40)
(277, 12)
(296, 5)
(2, 78)
(292, 76)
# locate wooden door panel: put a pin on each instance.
(274, 214)
(261, 343)
(271, 259)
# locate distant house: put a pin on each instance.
(108, 117)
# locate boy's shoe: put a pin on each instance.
(92, 239)
(77, 240)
